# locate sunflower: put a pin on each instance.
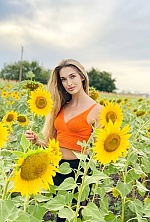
(115, 192)
(5, 94)
(15, 95)
(10, 117)
(8, 86)
(111, 112)
(3, 134)
(33, 172)
(111, 143)
(54, 148)
(31, 85)
(40, 102)
(22, 120)
(140, 113)
(94, 94)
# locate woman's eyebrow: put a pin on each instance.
(69, 75)
(72, 73)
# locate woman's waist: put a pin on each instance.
(69, 154)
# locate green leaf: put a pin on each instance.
(89, 180)
(37, 211)
(138, 170)
(80, 156)
(24, 143)
(104, 205)
(65, 168)
(9, 212)
(136, 206)
(98, 175)
(66, 196)
(101, 192)
(18, 153)
(24, 217)
(124, 188)
(67, 184)
(91, 213)
(30, 74)
(56, 204)
(6, 209)
(112, 218)
(59, 201)
(146, 209)
(140, 187)
(132, 176)
(66, 213)
(85, 193)
(133, 158)
(41, 198)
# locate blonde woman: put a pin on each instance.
(73, 116)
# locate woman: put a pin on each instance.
(73, 116)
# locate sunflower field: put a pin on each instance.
(115, 176)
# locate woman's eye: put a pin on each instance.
(72, 76)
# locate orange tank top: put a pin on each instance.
(74, 130)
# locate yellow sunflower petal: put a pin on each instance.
(34, 172)
(10, 117)
(111, 112)
(3, 135)
(111, 143)
(22, 120)
(40, 102)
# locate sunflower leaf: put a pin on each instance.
(91, 213)
(67, 184)
(65, 168)
(124, 188)
(25, 144)
(66, 213)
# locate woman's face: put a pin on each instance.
(71, 80)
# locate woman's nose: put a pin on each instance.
(69, 82)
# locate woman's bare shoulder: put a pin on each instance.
(98, 107)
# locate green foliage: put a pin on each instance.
(12, 71)
(130, 175)
(102, 81)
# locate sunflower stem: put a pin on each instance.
(26, 204)
(123, 209)
(5, 189)
(76, 177)
(81, 189)
(95, 189)
(35, 200)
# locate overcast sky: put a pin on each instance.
(109, 35)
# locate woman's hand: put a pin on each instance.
(31, 136)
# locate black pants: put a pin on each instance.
(59, 178)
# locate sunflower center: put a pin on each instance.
(111, 116)
(21, 119)
(112, 142)
(41, 102)
(34, 166)
(10, 118)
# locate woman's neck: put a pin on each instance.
(78, 100)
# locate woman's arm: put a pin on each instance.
(33, 137)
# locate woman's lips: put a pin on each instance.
(71, 88)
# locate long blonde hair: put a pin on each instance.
(59, 95)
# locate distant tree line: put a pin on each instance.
(101, 81)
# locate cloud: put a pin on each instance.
(109, 35)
